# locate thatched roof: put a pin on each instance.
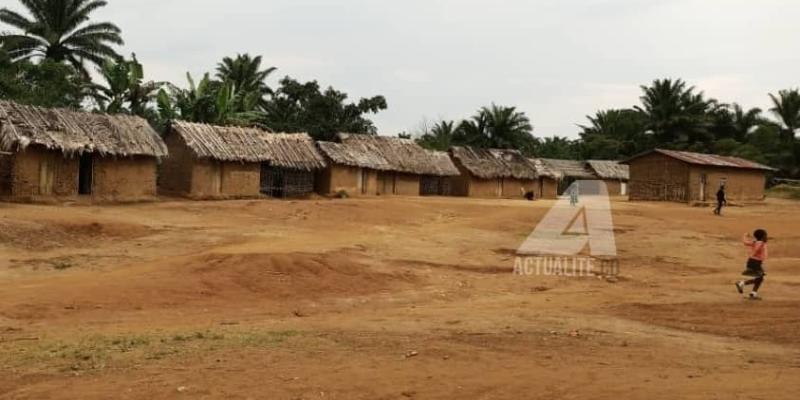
(609, 169)
(544, 170)
(494, 163)
(711, 160)
(76, 132)
(570, 168)
(233, 143)
(387, 154)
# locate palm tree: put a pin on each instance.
(125, 84)
(786, 107)
(625, 127)
(745, 121)
(440, 136)
(675, 113)
(246, 76)
(507, 128)
(208, 101)
(60, 30)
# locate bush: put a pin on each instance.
(785, 191)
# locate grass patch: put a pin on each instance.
(98, 352)
(785, 192)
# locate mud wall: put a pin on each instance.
(176, 170)
(740, 184)
(658, 177)
(485, 188)
(548, 189)
(353, 180)
(515, 188)
(406, 185)
(124, 178)
(41, 172)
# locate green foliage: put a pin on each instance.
(47, 84)
(439, 137)
(60, 31)
(125, 90)
(785, 191)
(303, 107)
(786, 107)
(245, 76)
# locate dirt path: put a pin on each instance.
(391, 298)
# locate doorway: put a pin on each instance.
(85, 174)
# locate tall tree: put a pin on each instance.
(125, 90)
(46, 84)
(676, 114)
(786, 107)
(614, 134)
(303, 107)
(439, 137)
(498, 127)
(244, 73)
(60, 30)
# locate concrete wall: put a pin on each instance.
(740, 184)
(124, 178)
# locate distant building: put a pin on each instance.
(370, 165)
(494, 173)
(59, 153)
(670, 175)
(613, 173)
(570, 171)
(210, 161)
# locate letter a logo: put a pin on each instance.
(573, 224)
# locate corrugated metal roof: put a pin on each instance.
(707, 159)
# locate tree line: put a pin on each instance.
(47, 63)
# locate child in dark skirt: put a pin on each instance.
(755, 263)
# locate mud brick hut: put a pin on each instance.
(368, 165)
(669, 175)
(59, 153)
(493, 173)
(548, 179)
(614, 174)
(210, 161)
(571, 171)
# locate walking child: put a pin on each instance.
(757, 244)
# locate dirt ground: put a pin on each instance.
(388, 298)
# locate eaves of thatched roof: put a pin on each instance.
(544, 170)
(77, 132)
(240, 144)
(387, 154)
(494, 163)
(570, 168)
(609, 169)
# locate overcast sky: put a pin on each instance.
(555, 60)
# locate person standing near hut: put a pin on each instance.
(722, 200)
(573, 195)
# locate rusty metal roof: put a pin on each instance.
(712, 160)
